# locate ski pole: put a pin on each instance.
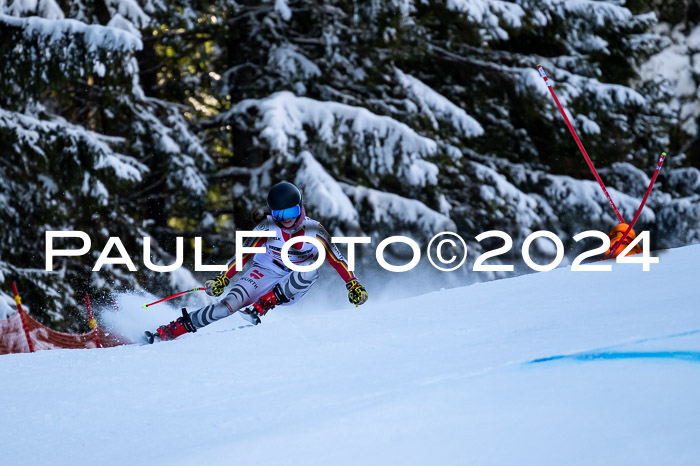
(641, 206)
(173, 296)
(578, 142)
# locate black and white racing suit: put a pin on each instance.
(268, 269)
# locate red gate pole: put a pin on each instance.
(579, 143)
(616, 246)
(18, 300)
(92, 322)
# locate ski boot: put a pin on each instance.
(174, 329)
(269, 300)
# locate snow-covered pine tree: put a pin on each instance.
(85, 149)
(408, 116)
(674, 74)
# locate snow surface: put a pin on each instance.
(284, 118)
(432, 103)
(324, 193)
(490, 13)
(600, 13)
(676, 65)
(55, 30)
(551, 368)
(6, 305)
(292, 63)
(392, 208)
(45, 8)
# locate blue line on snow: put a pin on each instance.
(685, 355)
(602, 353)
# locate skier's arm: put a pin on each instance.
(232, 270)
(356, 292)
(215, 286)
(333, 255)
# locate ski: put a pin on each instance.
(149, 337)
(250, 314)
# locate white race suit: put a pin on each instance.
(268, 269)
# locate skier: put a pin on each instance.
(269, 283)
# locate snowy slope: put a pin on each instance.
(444, 378)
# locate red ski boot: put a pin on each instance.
(174, 329)
(269, 300)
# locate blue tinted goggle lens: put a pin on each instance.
(286, 214)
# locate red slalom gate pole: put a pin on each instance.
(18, 300)
(173, 296)
(578, 142)
(641, 206)
(92, 322)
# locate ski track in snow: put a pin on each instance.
(545, 369)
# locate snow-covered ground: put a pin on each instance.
(550, 368)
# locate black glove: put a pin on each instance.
(356, 292)
(216, 285)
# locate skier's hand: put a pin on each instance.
(356, 292)
(216, 285)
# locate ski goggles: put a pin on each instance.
(286, 214)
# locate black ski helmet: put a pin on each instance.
(283, 196)
(286, 197)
